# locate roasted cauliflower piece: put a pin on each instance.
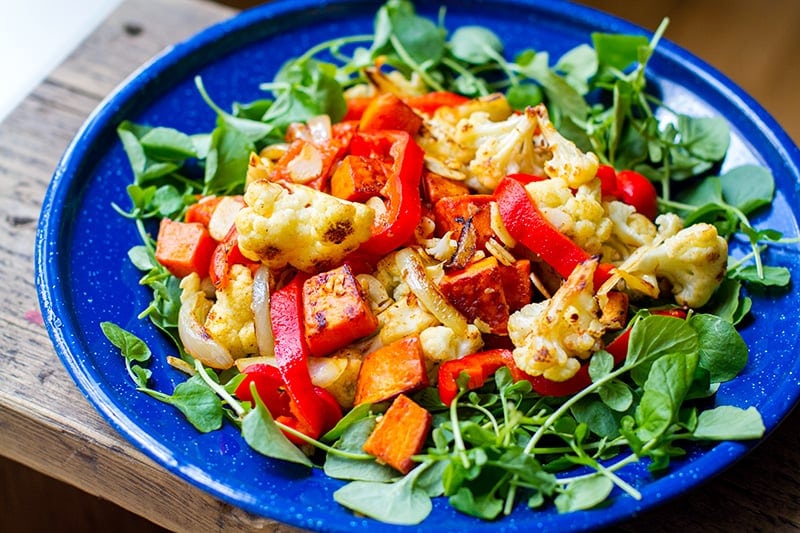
(230, 319)
(630, 230)
(566, 160)
(553, 336)
(440, 343)
(692, 261)
(501, 147)
(580, 216)
(291, 224)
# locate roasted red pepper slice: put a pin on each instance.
(404, 206)
(429, 102)
(479, 366)
(226, 254)
(314, 409)
(528, 226)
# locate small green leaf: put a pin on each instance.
(400, 503)
(748, 187)
(131, 346)
(261, 433)
(475, 44)
(729, 423)
(584, 493)
(773, 276)
(723, 352)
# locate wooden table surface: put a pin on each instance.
(46, 423)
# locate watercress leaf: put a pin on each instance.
(705, 192)
(705, 137)
(578, 66)
(617, 395)
(253, 130)
(132, 347)
(227, 160)
(583, 493)
(727, 303)
(563, 99)
(133, 149)
(352, 440)
(523, 95)
(729, 423)
(141, 375)
(400, 503)
(600, 365)
(748, 187)
(199, 403)
(263, 435)
(354, 415)
(772, 276)
(598, 417)
(169, 201)
(723, 352)
(618, 51)
(475, 44)
(664, 391)
(142, 258)
(168, 143)
(486, 506)
(657, 335)
(430, 480)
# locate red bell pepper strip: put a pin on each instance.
(527, 225)
(478, 366)
(404, 206)
(429, 102)
(225, 255)
(314, 410)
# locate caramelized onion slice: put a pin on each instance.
(196, 340)
(415, 275)
(261, 317)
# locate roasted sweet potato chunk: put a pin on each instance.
(388, 112)
(452, 212)
(400, 434)
(335, 311)
(477, 291)
(436, 187)
(394, 369)
(358, 178)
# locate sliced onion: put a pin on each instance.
(261, 317)
(414, 274)
(325, 371)
(320, 129)
(196, 340)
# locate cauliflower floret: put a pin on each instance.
(552, 336)
(630, 231)
(579, 216)
(567, 161)
(444, 154)
(501, 147)
(230, 319)
(440, 343)
(292, 224)
(693, 261)
(406, 316)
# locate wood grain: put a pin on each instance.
(47, 425)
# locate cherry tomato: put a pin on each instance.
(608, 181)
(638, 191)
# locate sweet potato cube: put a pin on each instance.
(393, 369)
(452, 212)
(358, 178)
(184, 247)
(477, 291)
(335, 311)
(400, 434)
(516, 280)
(437, 187)
(388, 112)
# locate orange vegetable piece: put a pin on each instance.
(516, 280)
(358, 178)
(477, 291)
(437, 187)
(399, 434)
(388, 112)
(452, 212)
(184, 247)
(393, 369)
(335, 311)
(202, 210)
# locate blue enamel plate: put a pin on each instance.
(84, 275)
